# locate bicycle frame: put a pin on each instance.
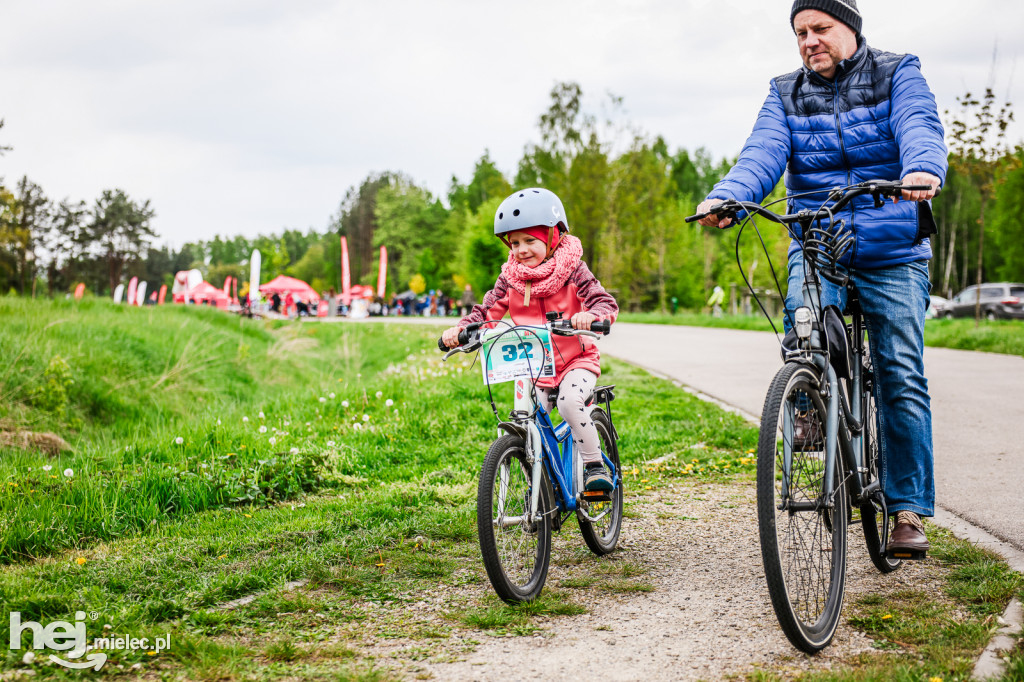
(551, 447)
(850, 439)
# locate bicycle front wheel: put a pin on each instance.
(803, 534)
(516, 549)
(602, 535)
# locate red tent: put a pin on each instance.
(204, 291)
(283, 285)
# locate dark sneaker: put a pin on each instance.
(595, 477)
(907, 540)
(807, 435)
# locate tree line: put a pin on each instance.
(625, 193)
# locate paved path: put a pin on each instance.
(977, 407)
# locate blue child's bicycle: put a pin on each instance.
(532, 476)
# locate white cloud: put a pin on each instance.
(248, 117)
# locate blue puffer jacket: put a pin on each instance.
(876, 120)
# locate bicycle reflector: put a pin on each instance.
(803, 322)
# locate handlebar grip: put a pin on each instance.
(695, 218)
(463, 340)
(601, 327)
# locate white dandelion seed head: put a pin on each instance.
(245, 419)
(389, 402)
(272, 440)
(366, 417)
(357, 426)
(379, 394)
(287, 423)
(323, 399)
(218, 422)
(179, 440)
(69, 473)
(28, 658)
(330, 443)
(47, 467)
(262, 416)
(202, 466)
(331, 395)
(263, 429)
(344, 403)
(294, 451)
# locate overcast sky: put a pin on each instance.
(251, 116)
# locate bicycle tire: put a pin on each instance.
(803, 543)
(517, 556)
(871, 517)
(602, 536)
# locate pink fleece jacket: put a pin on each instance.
(580, 291)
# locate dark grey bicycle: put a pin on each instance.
(821, 404)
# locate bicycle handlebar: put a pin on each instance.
(469, 333)
(842, 196)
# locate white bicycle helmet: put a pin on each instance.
(533, 207)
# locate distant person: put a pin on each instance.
(289, 301)
(545, 272)
(275, 302)
(715, 301)
(332, 303)
(467, 301)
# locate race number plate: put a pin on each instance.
(510, 355)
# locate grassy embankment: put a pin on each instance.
(998, 336)
(340, 455)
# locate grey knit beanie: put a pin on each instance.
(843, 10)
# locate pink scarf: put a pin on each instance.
(549, 276)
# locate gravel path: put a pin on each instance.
(709, 613)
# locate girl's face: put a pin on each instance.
(527, 249)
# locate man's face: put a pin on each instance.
(824, 41)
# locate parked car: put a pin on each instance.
(1000, 300)
(936, 307)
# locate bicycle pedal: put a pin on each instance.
(597, 495)
(908, 554)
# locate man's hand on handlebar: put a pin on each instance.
(712, 220)
(582, 320)
(919, 178)
(451, 336)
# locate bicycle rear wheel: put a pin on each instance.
(872, 514)
(516, 551)
(602, 535)
(803, 536)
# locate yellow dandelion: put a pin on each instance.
(248, 516)
(887, 616)
(647, 487)
(80, 560)
(934, 679)
(223, 556)
(151, 653)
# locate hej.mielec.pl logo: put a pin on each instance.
(71, 637)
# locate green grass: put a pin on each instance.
(998, 336)
(155, 536)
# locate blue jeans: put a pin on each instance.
(894, 300)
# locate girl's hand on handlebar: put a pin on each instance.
(712, 220)
(582, 320)
(920, 178)
(451, 336)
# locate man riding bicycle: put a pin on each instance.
(854, 113)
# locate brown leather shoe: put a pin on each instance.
(907, 539)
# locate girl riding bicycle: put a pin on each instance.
(545, 273)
